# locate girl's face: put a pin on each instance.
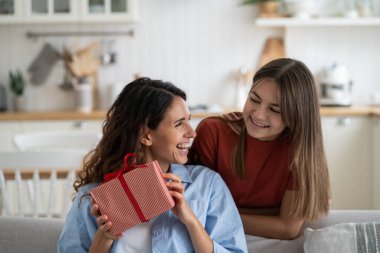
(262, 114)
(170, 142)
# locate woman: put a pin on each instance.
(271, 155)
(150, 118)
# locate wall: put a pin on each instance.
(198, 45)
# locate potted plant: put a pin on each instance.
(17, 86)
(267, 8)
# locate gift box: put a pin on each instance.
(133, 195)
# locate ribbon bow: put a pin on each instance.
(109, 176)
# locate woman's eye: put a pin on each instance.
(178, 124)
(275, 110)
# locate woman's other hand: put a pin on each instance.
(176, 189)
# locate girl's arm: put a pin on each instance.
(281, 226)
(200, 239)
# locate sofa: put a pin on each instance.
(36, 235)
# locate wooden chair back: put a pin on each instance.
(38, 182)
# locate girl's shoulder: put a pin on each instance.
(233, 121)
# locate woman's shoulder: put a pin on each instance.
(87, 188)
(84, 192)
(192, 172)
(200, 175)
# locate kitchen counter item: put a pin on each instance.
(84, 95)
(335, 86)
(43, 63)
(273, 49)
(3, 99)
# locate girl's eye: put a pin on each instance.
(255, 100)
(275, 110)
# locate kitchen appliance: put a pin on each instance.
(335, 86)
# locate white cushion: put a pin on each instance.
(345, 237)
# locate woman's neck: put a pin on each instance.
(165, 167)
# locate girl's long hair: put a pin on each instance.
(299, 105)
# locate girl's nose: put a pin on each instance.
(260, 112)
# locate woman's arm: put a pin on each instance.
(200, 239)
(281, 226)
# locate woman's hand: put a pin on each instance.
(103, 223)
(181, 208)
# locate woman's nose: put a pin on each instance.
(190, 132)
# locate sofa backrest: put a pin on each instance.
(32, 235)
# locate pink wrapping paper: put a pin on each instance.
(148, 189)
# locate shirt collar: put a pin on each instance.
(181, 171)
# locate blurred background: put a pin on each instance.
(203, 47)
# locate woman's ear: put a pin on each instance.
(145, 137)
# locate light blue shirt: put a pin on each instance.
(206, 194)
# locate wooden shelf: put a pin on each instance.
(294, 22)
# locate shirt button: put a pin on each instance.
(156, 233)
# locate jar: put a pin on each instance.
(84, 95)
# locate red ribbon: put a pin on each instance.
(109, 176)
(119, 175)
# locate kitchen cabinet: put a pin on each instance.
(50, 10)
(297, 22)
(67, 11)
(10, 128)
(11, 11)
(348, 151)
(107, 10)
(376, 161)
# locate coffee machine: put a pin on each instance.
(335, 86)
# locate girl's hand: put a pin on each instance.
(103, 223)
(176, 189)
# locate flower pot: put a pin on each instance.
(19, 103)
(269, 9)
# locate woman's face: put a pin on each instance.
(262, 114)
(170, 141)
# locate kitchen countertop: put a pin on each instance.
(101, 114)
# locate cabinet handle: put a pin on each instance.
(344, 121)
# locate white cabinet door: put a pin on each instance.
(51, 11)
(376, 162)
(10, 11)
(348, 151)
(67, 11)
(108, 10)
